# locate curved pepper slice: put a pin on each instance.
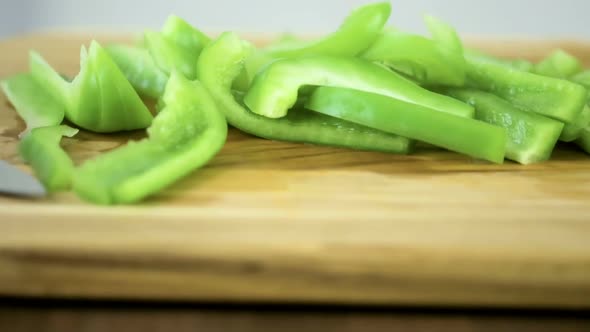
(437, 61)
(140, 69)
(531, 137)
(222, 61)
(471, 137)
(32, 103)
(555, 98)
(356, 33)
(185, 135)
(275, 90)
(99, 98)
(52, 165)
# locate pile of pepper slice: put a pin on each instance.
(366, 86)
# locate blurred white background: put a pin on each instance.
(539, 18)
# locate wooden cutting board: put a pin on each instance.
(279, 222)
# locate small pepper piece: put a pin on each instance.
(185, 135)
(530, 137)
(559, 64)
(32, 103)
(436, 61)
(222, 61)
(53, 167)
(100, 98)
(275, 90)
(471, 137)
(139, 68)
(356, 33)
(559, 99)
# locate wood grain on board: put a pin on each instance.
(280, 222)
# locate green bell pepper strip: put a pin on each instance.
(52, 165)
(185, 135)
(99, 98)
(558, 64)
(32, 103)
(583, 140)
(222, 61)
(169, 56)
(559, 99)
(436, 61)
(275, 90)
(185, 35)
(518, 64)
(468, 136)
(139, 68)
(531, 137)
(561, 64)
(177, 46)
(420, 58)
(356, 33)
(582, 78)
(572, 131)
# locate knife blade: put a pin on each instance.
(15, 182)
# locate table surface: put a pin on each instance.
(49, 316)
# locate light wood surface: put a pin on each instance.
(279, 222)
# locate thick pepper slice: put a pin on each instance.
(140, 69)
(356, 33)
(436, 61)
(222, 61)
(561, 64)
(185, 135)
(275, 90)
(100, 98)
(471, 137)
(32, 103)
(40, 148)
(530, 137)
(555, 98)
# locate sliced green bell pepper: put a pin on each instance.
(32, 103)
(530, 137)
(222, 61)
(471, 137)
(169, 56)
(185, 135)
(428, 61)
(275, 90)
(185, 35)
(139, 68)
(558, 64)
(518, 64)
(572, 131)
(582, 78)
(40, 148)
(356, 33)
(99, 98)
(555, 98)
